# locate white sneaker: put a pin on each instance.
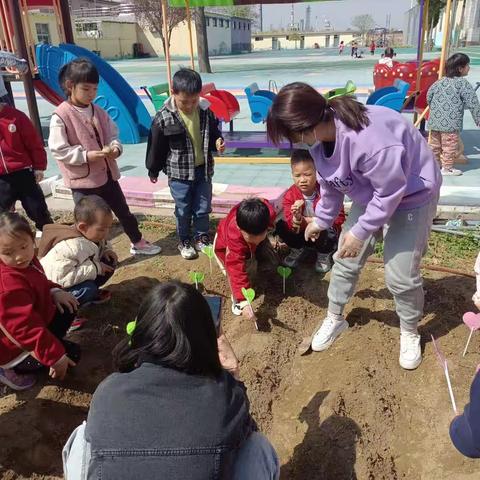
(187, 251)
(294, 257)
(410, 350)
(144, 248)
(323, 263)
(331, 328)
(451, 172)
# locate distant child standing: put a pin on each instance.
(84, 142)
(35, 313)
(448, 98)
(372, 47)
(22, 166)
(183, 135)
(299, 203)
(341, 47)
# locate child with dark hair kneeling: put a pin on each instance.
(239, 237)
(35, 313)
(78, 257)
(299, 204)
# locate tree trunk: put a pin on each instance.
(202, 41)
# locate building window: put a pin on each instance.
(207, 21)
(227, 23)
(221, 22)
(43, 33)
(214, 22)
(244, 26)
(234, 25)
(248, 26)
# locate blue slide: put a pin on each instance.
(115, 95)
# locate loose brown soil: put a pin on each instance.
(350, 412)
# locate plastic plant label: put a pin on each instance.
(131, 327)
(249, 294)
(197, 277)
(284, 272)
(472, 320)
(208, 251)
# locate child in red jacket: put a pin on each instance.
(238, 238)
(23, 161)
(34, 313)
(299, 204)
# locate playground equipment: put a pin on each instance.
(348, 89)
(259, 101)
(115, 94)
(384, 76)
(223, 104)
(392, 97)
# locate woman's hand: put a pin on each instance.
(227, 356)
(312, 232)
(59, 369)
(220, 144)
(61, 298)
(350, 246)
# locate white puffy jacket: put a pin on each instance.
(73, 261)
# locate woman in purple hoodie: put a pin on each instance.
(380, 161)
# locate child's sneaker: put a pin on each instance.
(16, 381)
(186, 250)
(331, 328)
(451, 172)
(201, 242)
(144, 248)
(294, 257)
(104, 296)
(323, 263)
(77, 324)
(410, 350)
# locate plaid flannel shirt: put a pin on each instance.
(170, 148)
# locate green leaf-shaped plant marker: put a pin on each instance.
(197, 277)
(208, 251)
(284, 272)
(131, 326)
(249, 294)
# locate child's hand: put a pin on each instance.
(59, 369)
(220, 144)
(39, 175)
(111, 257)
(111, 153)
(95, 155)
(297, 208)
(312, 232)
(228, 359)
(61, 298)
(106, 268)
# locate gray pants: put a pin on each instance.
(405, 243)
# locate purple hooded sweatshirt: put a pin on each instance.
(386, 166)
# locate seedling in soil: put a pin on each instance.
(197, 277)
(208, 251)
(472, 321)
(284, 272)
(249, 294)
(443, 363)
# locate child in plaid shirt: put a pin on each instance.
(183, 135)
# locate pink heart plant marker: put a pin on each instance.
(472, 321)
(444, 364)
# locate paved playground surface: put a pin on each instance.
(322, 68)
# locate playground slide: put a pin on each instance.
(46, 92)
(114, 94)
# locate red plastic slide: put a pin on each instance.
(46, 92)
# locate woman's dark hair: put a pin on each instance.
(78, 71)
(87, 208)
(300, 155)
(298, 108)
(13, 225)
(455, 63)
(253, 216)
(187, 81)
(175, 329)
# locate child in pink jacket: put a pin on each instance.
(84, 142)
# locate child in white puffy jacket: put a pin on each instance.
(476, 295)
(78, 257)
